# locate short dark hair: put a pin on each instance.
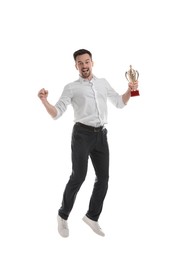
(81, 52)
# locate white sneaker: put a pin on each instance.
(94, 226)
(62, 227)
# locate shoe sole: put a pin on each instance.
(90, 225)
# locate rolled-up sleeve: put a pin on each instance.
(63, 101)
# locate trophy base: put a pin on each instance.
(134, 93)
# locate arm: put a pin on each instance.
(131, 86)
(43, 94)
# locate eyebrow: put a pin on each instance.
(84, 61)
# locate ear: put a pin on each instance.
(92, 63)
(76, 66)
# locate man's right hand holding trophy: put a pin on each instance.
(132, 77)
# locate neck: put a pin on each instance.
(89, 78)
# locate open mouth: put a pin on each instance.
(85, 70)
(85, 73)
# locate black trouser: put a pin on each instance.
(87, 141)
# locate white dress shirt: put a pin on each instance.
(89, 100)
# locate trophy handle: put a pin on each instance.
(137, 75)
(126, 76)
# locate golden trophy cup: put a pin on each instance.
(132, 76)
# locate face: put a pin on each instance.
(84, 65)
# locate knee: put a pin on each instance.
(103, 178)
(77, 179)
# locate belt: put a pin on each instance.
(90, 128)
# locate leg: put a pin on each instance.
(80, 153)
(100, 160)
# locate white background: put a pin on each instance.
(37, 41)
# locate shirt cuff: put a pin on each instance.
(58, 114)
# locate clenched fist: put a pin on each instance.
(43, 94)
(133, 85)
